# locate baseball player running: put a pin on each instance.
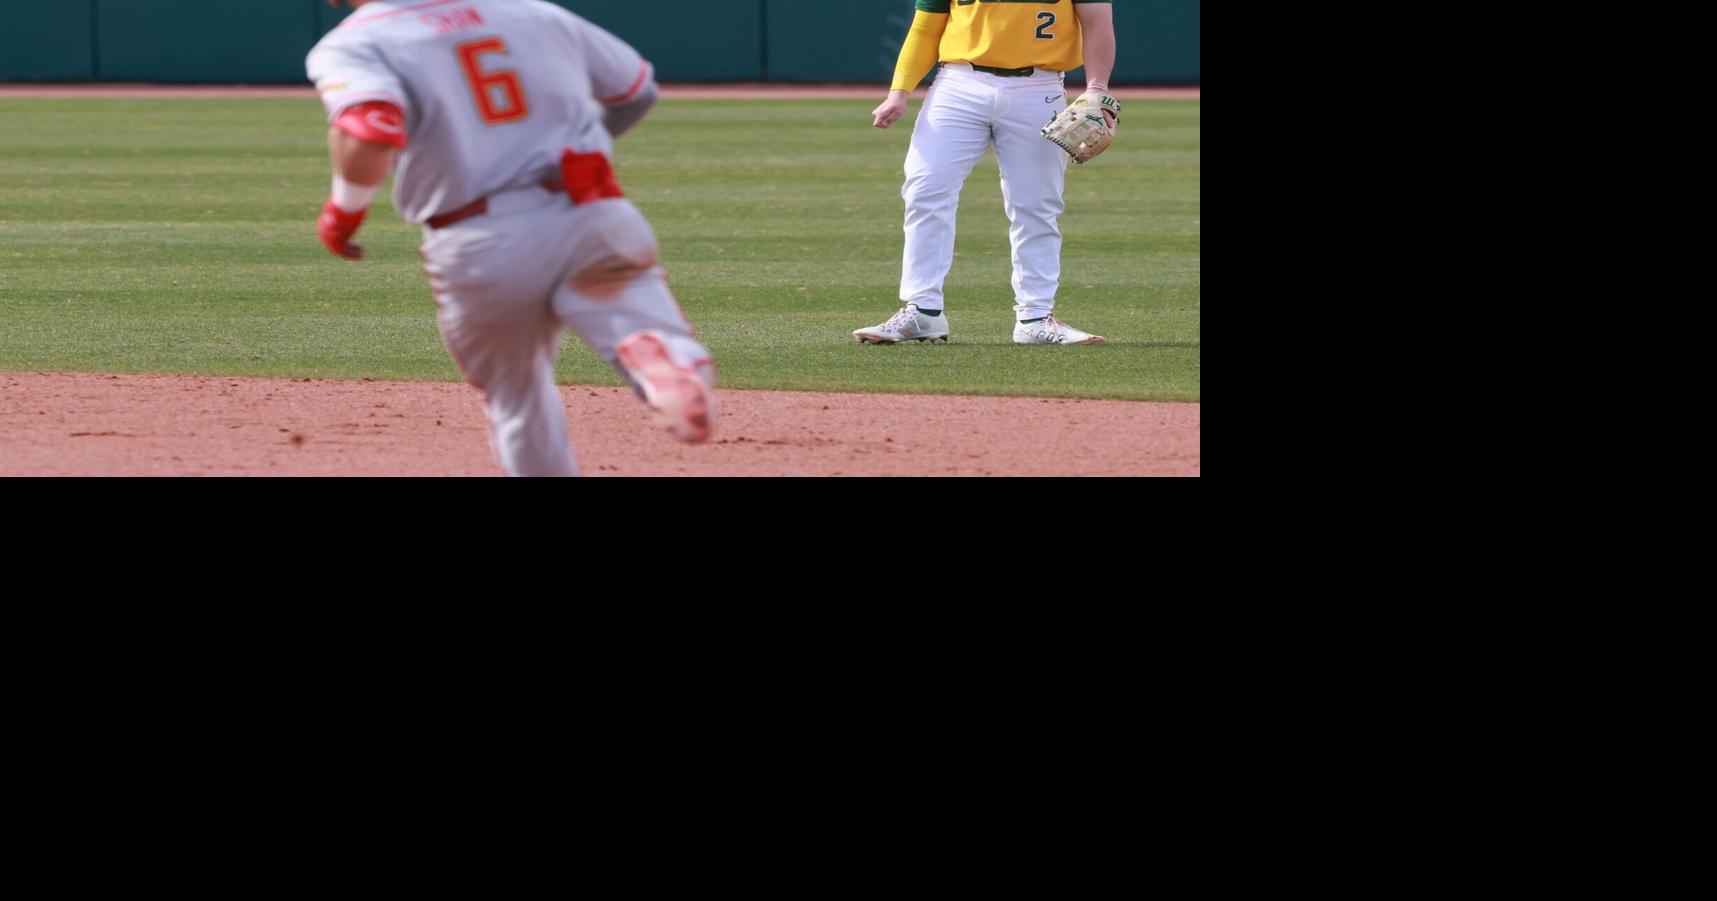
(498, 118)
(1004, 67)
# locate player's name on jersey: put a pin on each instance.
(457, 20)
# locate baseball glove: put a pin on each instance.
(1085, 128)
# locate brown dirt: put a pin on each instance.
(60, 424)
(731, 91)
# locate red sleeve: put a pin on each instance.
(375, 122)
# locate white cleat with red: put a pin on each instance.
(1052, 331)
(678, 381)
(907, 325)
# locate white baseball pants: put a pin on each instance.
(508, 283)
(966, 113)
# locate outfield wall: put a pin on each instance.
(264, 41)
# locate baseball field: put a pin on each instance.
(165, 307)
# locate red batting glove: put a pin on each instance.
(336, 227)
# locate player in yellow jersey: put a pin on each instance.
(1004, 64)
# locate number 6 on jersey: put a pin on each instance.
(488, 87)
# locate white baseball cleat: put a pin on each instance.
(907, 325)
(1052, 331)
(680, 386)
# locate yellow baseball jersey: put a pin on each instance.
(1011, 34)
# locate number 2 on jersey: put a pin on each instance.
(502, 85)
(1048, 20)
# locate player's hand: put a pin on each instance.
(336, 227)
(1111, 108)
(891, 109)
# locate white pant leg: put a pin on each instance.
(509, 283)
(951, 135)
(505, 338)
(1034, 176)
(613, 286)
(527, 418)
(502, 332)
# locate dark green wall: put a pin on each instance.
(1158, 41)
(859, 40)
(194, 40)
(45, 41)
(327, 17)
(688, 40)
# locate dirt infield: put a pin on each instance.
(740, 91)
(57, 424)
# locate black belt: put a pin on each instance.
(1005, 73)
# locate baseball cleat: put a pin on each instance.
(681, 392)
(1052, 331)
(907, 325)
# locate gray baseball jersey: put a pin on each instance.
(493, 91)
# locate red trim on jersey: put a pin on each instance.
(373, 122)
(643, 79)
(398, 12)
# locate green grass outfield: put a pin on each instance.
(177, 236)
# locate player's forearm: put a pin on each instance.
(1097, 22)
(921, 50)
(359, 162)
(621, 117)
